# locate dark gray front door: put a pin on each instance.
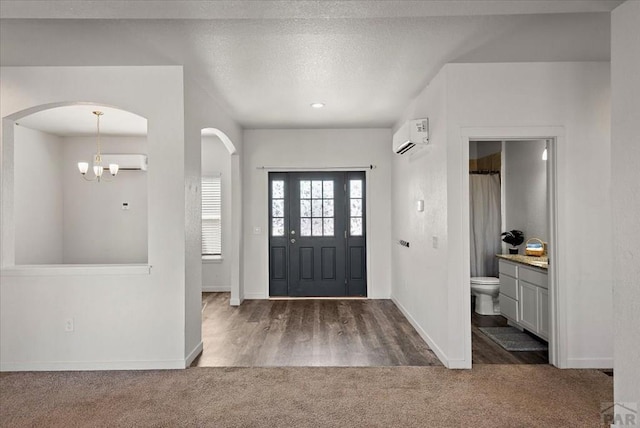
(317, 234)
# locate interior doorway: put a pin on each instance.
(317, 234)
(533, 313)
(508, 199)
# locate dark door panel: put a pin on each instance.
(278, 236)
(311, 246)
(356, 234)
(317, 245)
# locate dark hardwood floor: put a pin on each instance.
(486, 351)
(333, 332)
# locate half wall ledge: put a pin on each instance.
(60, 270)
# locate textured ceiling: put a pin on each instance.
(289, 9)
(366, 65)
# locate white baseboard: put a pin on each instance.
(434, 347)
(193, 354)
(589, 363)
(234, 302)
(216, 288)
(255, 296)
(49, 366)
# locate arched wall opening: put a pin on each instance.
(57, 216)
(220, 158)
(125, 316)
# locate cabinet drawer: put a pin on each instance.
(509, 307)
(509, 286)
(508, 268)
(533, 277)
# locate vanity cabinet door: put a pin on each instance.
(543, 313)
(528, 306)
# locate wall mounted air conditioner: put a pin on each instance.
(128, 161)
(413, 133)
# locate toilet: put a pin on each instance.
(486, 290)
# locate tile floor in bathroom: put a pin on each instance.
(486, 351)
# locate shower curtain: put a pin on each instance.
(484, 203)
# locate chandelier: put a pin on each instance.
(98, 168)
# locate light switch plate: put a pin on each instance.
(434, 241)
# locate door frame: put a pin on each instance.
(557, 294)
(368, 213)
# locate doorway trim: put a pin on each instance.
(264, 179)
(557, 294)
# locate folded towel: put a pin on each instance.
(534, 245)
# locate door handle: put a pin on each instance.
(293, 241)
(293, 232)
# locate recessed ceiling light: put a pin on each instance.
(317, 105)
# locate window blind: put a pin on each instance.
(211, 221)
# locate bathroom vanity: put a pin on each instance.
(524, 292)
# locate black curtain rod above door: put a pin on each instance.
(322, 168)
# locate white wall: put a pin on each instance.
(96, 228)
(202, 110)
(574, 96)
(480, 149)
(127, 316)
(316, 148)
(419, 280)
(525, 189)
(625, 176)
(38, 200)
(216, 274)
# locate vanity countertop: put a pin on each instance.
(539, 262)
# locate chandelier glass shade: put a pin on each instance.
(98, 167)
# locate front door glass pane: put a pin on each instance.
(305, 189)
(305, 208)
(327, 189)
(305, 227)
(316, 208)
(355, 207)
(278, 189)
(327, 226)
(316, 225)
(356, 226)
(277, 208)
(277, 227)
(355, 189)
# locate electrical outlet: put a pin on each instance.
(68, 325)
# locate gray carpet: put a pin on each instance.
(512, 339)
(487, 396)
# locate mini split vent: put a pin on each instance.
(128, 161)
(413, 133)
